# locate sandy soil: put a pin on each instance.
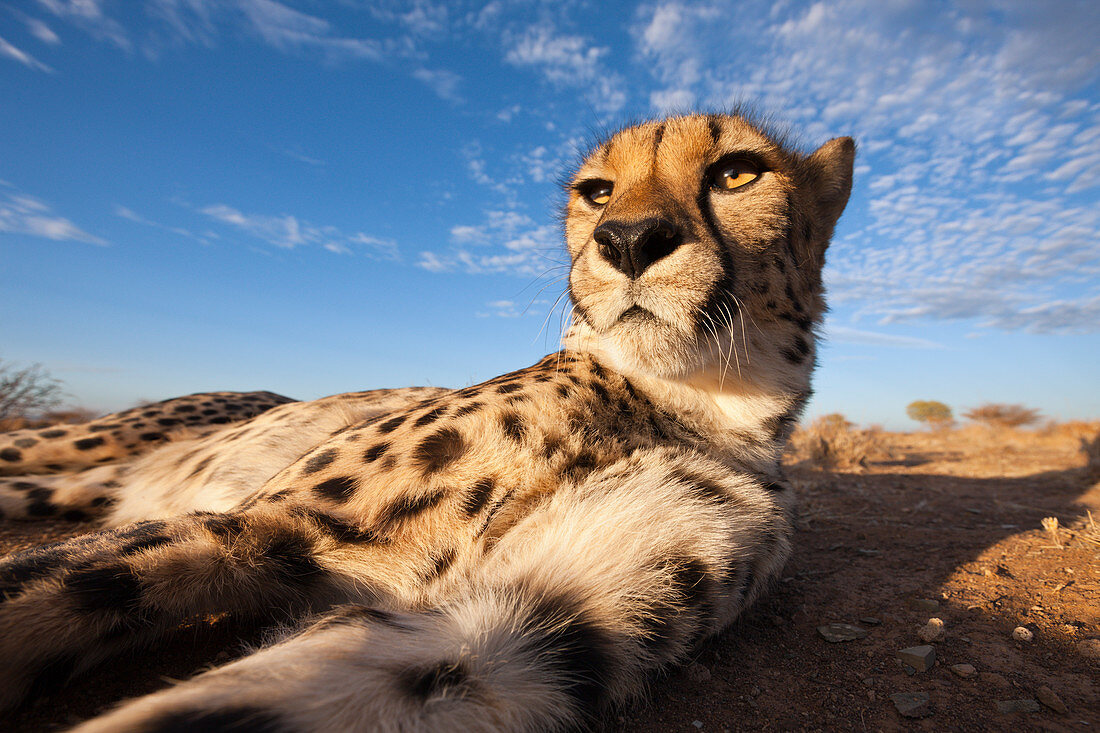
(947, 527)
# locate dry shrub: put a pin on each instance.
(1091, 449)
(833, 442)
(67, 416)
(1003, 416)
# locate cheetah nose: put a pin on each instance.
(633, 246)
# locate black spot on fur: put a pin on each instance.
(24, 442)
(567, 640)
(436, 681)
(150, 437)
(440, 449)
(339, 489)
(373, 453)
(581, 465)
(319, 461)
(40, 503)
(221, 420)
(509, 388)
(292, 559)
(102, 501)
(185, 408)
(200, 466)
(337, 528)
(691, 581)
(108, 588)
(75, 515)
(512, 425)
(564, 391)
(224, 526)
(392, 424)
(88, 443)
(52, 675)
(227, 720)
(54, 433)
(10, 455)
(469, 409)
(440, 564)
(600, 391)
(478, 497)
(140, 544)
(408, 507)
(429, 417)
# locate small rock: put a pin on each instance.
(841, 632)
(911, 704)
(966, 671)
(1051, 700)
(870, 620)
(925, 604)
(1089, 648)
(697, 673)
(697, 723)
(1026, 705)
(920, 658)
(1022, 633)
(931, 631)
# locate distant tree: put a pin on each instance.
(26, 391)
(834, 421)
(936, 414)
(1003, 416)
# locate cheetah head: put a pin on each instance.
(697, 245)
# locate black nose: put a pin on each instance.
(633, 246)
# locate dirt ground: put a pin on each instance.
(943, 525)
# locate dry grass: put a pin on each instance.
(832, 442)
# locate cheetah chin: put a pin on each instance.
(524, 554)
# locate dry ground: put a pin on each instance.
(949, 520)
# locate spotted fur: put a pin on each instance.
(521, 554)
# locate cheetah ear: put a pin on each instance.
(828, 178)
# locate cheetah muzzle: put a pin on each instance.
(521, 554)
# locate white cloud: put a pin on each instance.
(506, 242)
(23, 214)
(6, 49)
(89, 15)
(846, 335)
(567, 60)
(287, 231)
(443, 82)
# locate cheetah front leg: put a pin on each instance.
(567, 614)
(66, 606)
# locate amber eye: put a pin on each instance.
(596, 193)
(734, 175)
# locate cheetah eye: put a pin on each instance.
(596, 192)
(734, 174)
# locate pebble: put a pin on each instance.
(697, 723)
(1051, 700)
(1026, 705)
(911, 704)
(925, 604)
(841, 632)
(919, 658)
(1022, 633)
(697, 673)
(931, 631)
(966, 671)
(1089, 648)
(870, 620)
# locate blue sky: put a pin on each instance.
(314, 197)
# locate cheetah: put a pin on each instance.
(523, 554)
